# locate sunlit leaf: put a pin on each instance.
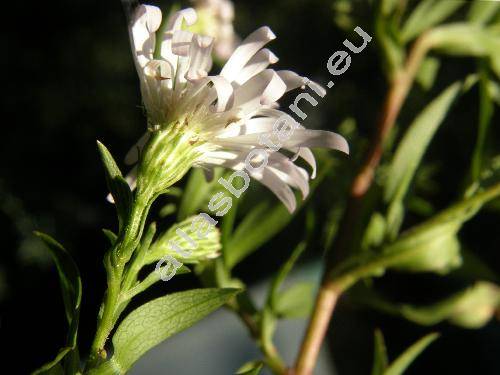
(157, 320)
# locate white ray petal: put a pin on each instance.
(260, 61)
(249, 47)
(200, 57)
(264, 88)
(292, 79)
(133, 155)
(145, 22)
(181, 42)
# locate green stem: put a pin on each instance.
(114, 263)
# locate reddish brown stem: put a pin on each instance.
(330, 292)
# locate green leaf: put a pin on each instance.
(296, 301)
(262, 223)
(118, 187)
(110, 235)
(71, 284)
(380, 360)
(197, 192)
(427, 14)
(283, 272)
(486, 110)
(399, 366)
(155, 321)
(427, 73)
(481, 12)
(53, 367)
(388, 6)
(464, 39)
(250, 368)
(410, 151)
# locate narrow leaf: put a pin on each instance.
(118, 187)
(482, 12)
(410, 152)
(399, 366)
(250, 368)
(53, 367)
(71, 284)
(197, 192)
(296, 301)
(380, 360)
(427, 14)
(155, 321)
(282, 274)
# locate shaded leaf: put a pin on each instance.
(250, 368)
(281, 275)
(118, 187)
(482, 12)
(410, 151)
(53, 367)
(110, 235)
(296, 301)
(71, 284)
(197, 192)
(399, 366)
(427, 73)
(380, 360)
(427, 14)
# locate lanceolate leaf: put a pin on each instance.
(486, 110)
(399, 366)
(71, 287)
(197, 192)
(296, 301)
(54, 367)
(71, 284)
(415, 141)
(380, 359)
(155, 321)
(118, 187)
(482, 11)
(283, 272)
(410, 152)
(427, 14)
(251, 368)
(261, 224)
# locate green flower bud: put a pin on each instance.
(169, 154)
(471, 308)
(437, 254)
(191, 241)
(475, 307)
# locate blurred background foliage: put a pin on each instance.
(70, 80)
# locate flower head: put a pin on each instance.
(217, 120)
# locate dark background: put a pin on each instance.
(69, 80)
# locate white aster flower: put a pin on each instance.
(216, 120)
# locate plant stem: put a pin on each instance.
(271, 356)
(114, 262)
(330, 291)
